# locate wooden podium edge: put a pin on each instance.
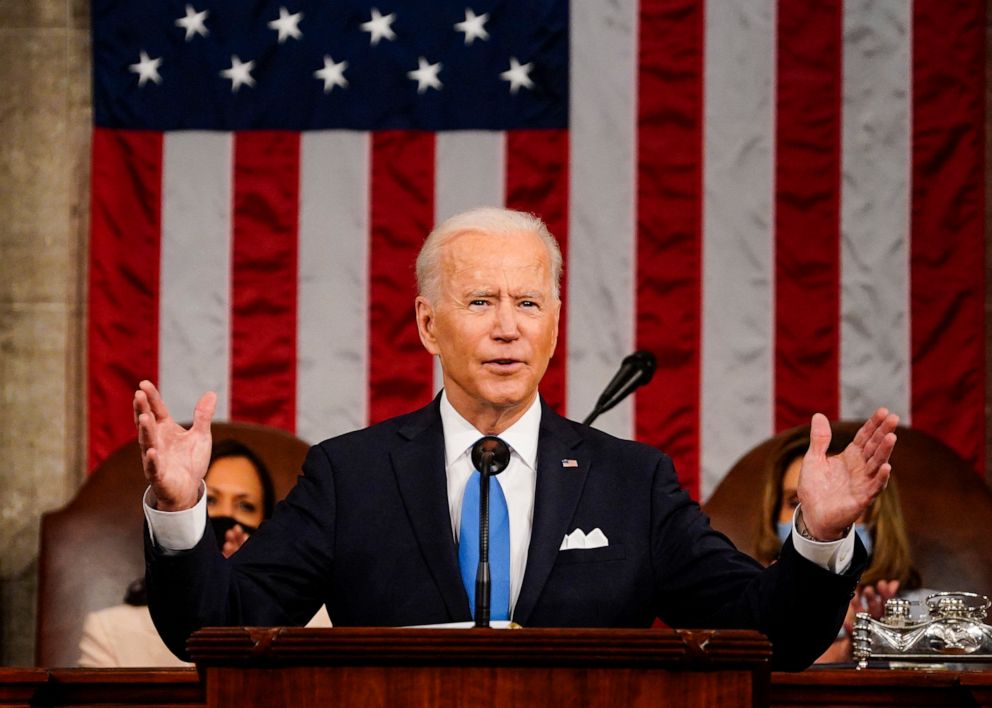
(676, 649)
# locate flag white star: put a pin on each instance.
(379, 27)
(426, 75)
(518, 75)
(239, 73)
(147, 69)
(332, 74)
(193, 23)
(287, 25)
(472, 26)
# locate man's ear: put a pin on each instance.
(425, 324)
(554, 347)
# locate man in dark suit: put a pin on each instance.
(600, 533)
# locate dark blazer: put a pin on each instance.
(367, 532)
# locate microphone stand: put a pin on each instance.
(483, 583)
(592, 416)
(490, 456)
(635, 371)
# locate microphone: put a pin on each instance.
(490, 455)
(635, 370)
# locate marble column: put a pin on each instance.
(45, 121)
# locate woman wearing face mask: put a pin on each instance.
(881, 529)
(240, 496)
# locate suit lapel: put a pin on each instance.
(419, 468)
(555, 498)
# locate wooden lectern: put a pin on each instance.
(481, 667)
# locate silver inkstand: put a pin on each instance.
(953, 630)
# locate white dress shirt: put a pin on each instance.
(835, 556)
(518, 480)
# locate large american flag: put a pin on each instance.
(782, 199)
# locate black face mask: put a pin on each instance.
(221, 524)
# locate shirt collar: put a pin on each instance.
(460, 435)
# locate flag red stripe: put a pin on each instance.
(807, 212)
(122, 330)
(947, 252)
(264, 278)
(402, 214)
(537, 182)
(669, 218)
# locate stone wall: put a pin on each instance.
(44, 169)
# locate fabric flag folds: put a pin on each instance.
(782, 200)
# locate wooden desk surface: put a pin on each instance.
(882, 687)
(815, 687)
(180, 688)
(19, 686)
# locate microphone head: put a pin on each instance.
(636, 370)
(492, 453)
(645, 363)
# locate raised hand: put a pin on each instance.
(175, 460)
(233, 540)
(835, 491)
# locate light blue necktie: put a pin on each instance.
(499, 546)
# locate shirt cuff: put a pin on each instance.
(835, 556)
(176, 530)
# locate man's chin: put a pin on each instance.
(509, 397)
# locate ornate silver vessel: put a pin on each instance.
(952, 630)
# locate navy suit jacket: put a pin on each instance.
(367, 532)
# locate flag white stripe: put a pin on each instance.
(332, 336)
(738, 234)
(470, 172)
(875, 336)
(195, 268)
(601, 227)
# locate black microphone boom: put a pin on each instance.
(490, 456)
(635, 370)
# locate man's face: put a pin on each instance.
(494, 324)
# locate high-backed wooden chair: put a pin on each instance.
(92, 548)
(946, 505)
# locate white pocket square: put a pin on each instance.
(580, 539)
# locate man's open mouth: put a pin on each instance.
(504, 363)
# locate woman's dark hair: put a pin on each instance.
(137, 593)
(234, 448)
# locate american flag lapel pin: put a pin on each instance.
(569, 463)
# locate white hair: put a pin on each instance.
(492, 221)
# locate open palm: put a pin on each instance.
(174, 459)
(835, 491)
